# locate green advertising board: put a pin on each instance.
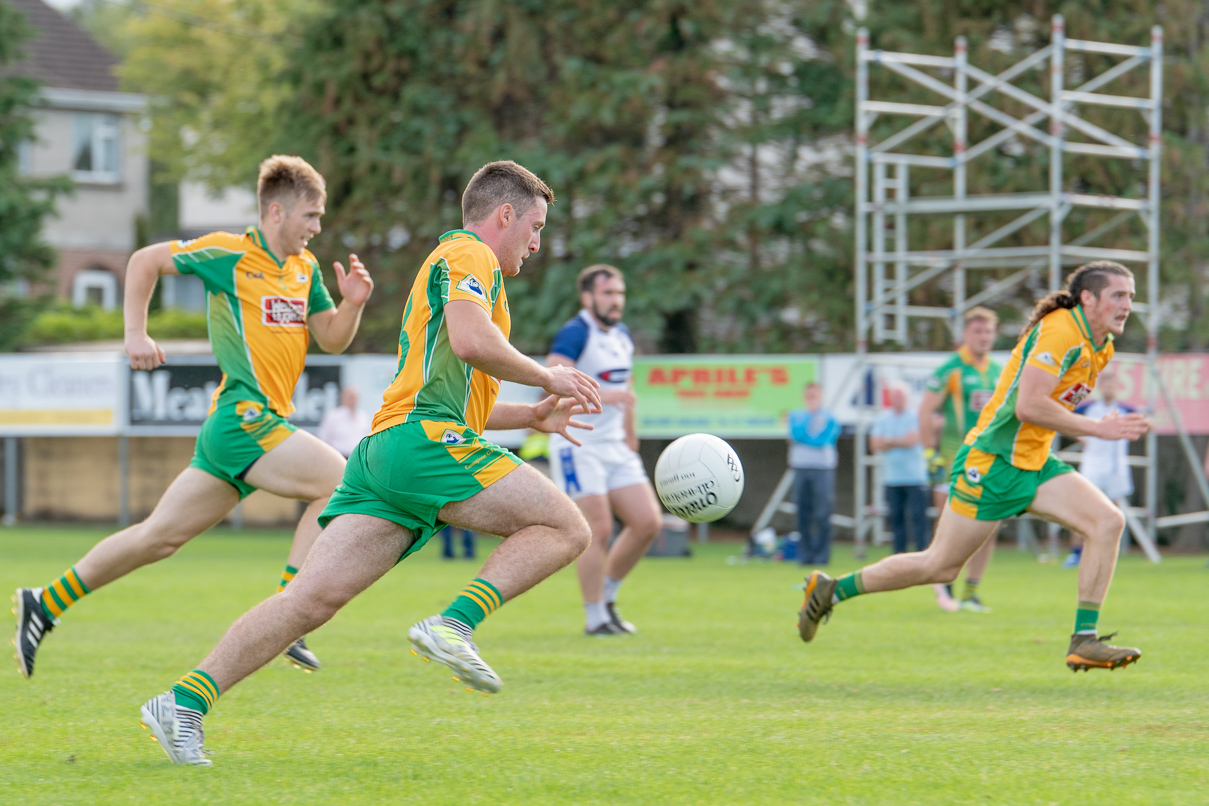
(728, 396)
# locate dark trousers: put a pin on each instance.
(814, 494)
(447, 543)
(909, 507)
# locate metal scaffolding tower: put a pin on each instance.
(888, 269)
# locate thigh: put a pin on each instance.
(301, 466)
(520, 499)
(193, 503)
(958, 537)
(636, 505)
(598, 514)
(349, 556)
(1072, 501)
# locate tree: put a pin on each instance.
(24, 200)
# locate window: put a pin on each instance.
(25, 157)
(183, 292)
(95, 154)
(94, 287)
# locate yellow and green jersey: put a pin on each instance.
(1060, 344)
(967, 385)
(432, 383)
(257, 307)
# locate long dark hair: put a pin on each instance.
(1091, 277)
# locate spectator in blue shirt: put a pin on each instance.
(812, 435)
(895, 435)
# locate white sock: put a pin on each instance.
(595, 614)
(610, 589)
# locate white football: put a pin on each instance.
(699, 478)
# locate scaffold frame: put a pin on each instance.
(887, 270)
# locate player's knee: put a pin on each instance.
(161, 540)
(1109, 524)
(577, 535)
(318, 605)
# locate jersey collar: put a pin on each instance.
(457, 234)
(1085, 328)
(968, 358)
(258, 238)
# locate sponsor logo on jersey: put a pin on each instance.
(303, 277)
(980, 398)
(185, 244)
(250, 413)
(620, 375)
(254, 275)
(1085, 364)
(1046, 358)
(471, 285)
(974, 475)
(451, 437)
(283, 311)
(1076, 394)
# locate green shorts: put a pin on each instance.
(406, 473)
(234, 436)
(987, 487)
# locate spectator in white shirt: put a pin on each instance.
(344, 426)
(1105, 462)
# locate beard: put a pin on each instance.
(609, 316)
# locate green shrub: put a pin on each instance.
(63, 324)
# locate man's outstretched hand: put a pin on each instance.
(564, 381)
(553, 415)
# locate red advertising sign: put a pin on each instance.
(1186, 377)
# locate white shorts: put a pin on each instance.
(594, 468)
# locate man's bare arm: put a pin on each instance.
(334, 328)
(476, 340)
(927, 408)
(1035, 405)
(143, 270)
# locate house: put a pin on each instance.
(86, 129)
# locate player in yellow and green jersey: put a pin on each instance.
(959, 389)
(265, 299)
(1004, 466)
(426, 464)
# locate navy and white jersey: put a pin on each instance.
(606, 355)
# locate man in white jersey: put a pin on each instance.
(604, 476)
(1105, 462)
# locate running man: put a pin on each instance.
(604, 476)
(265, 298)
(1005, 467)
(959, 388)
(425, 465)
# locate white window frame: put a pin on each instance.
(103, 128)
(89, 279)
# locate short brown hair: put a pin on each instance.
(979, 314)
(502, 182)
(586, 281)
(288, 180)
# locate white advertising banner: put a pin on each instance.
(68, 394)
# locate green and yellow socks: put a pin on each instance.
(477, 600)
(970, 591)
(1087, 616)
(196, 690)
(63, 593)
(847, 586)
(288, 574)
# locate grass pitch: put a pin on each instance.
(714, 701)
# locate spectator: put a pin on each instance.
(812, 435)
(895, 435)
(1105, 462)
(344, 426)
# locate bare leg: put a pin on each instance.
(590, 567)
(193, 503)
(349, 556)
(1076, 503)
(957, 538)
(544, 531)
(302, 467)
(638, 509)
(977, 565)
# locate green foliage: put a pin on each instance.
(63, 324)
(714, 701)
(24, 201)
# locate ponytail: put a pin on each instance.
(1091, 277)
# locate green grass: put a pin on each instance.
(714, 701)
